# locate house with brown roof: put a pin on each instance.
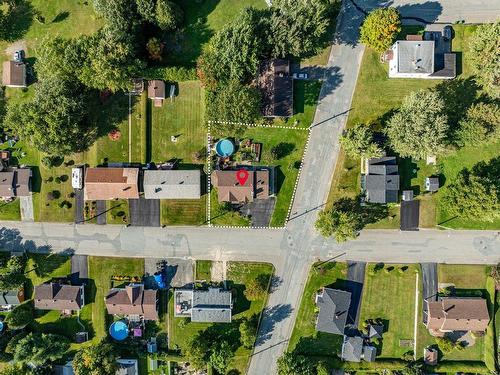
(111, 183)
(229, 189)
(15, 182)
(133, 300)
(14, 74)
(457, 314)
(55, 296)
(156, 91)
(276, 85)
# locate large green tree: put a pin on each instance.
(340, 224)
(358, 142)
(248, 331)
(21, 315)
(484, 57)
(380, 28)
(292, 363)
(473, 196)
(221, 356)
(121, 16)
(419, 128)
(97, 359)
(40, 348)
(12, 275)
(55, 120)
(480, 125)
(298, 27)
(168, 15)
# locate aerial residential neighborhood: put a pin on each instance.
(222, 187)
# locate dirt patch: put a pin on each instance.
(16, 46)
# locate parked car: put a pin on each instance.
(77, 178)
(300, 75)
(447, 33)
(19, 55)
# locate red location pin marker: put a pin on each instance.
(242, 176)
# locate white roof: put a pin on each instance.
(415, 56)
(172, 184)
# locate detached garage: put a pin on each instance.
(172, 184)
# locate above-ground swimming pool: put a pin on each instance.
(224, 147)
(119, 330)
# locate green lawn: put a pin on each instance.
(238, 274)
(304, 337)
(203, 268)
(118, 211)
(101, 269)
(10, 210)
(305, 100)
(390, 296)
(466, 279)
(374, 98)
(184, 211)
(202, 20)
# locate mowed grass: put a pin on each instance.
(183, 118)
(467, 278)
(202, 20)
(203, 269)
(305, 339)
(10, 210)
(305, 100)
(390, 296)
(184, 211)
(220, 216)
(101, 269)
(238, 274)
(118, 211)
(375, 97)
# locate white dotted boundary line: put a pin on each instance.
(209, 167)
(252, 125)
(243, 227)
(298, 177)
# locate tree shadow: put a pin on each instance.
(240, 302)
(61, 17)
(282, 150)
(109, 115)
(46, 264)
(270, 317)
(425, 13)
(333, 79)
(17, 20)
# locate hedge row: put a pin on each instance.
(171, 73)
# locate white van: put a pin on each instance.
(77, 178)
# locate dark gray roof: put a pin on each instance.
(432, 183)
(352, 349)
(127, 367)
(410, 214)
(369, 353)
(10, 298)
(382, 180)
(375, 331)
(333, 310)
(276, 85)
(212, 305)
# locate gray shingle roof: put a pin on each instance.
(375, 331)
(333, 310)
(172, 184)
(382, 180)
(369, 353)
(352, 349)
(212, 305)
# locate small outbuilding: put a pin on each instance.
(430, 356)
(432, 184)
(156, 91)
(14, 74)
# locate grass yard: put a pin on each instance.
(375, 98)
(41, 268)
(117, 211)
(390, 296)
(203, 269)
(238, 274)
(182, 118)
(305, 100)
(101, 269)
(467, 278)
(184, 211)
(202, 20)
(10, 210)
(304, 337)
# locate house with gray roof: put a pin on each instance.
(333, 307)
(369, 353)
(213, 305)
(172, 184)
(375, 331)
(382, 180)
(352, 349)
(11, 298)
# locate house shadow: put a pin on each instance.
(240, 301)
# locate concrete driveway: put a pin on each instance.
(180, 272)
(144, 212)
(26, 204)
(430, 285)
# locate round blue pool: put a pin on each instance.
(224, 147)
(1, 326)
(118, 330)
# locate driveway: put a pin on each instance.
(430, 285)
(260, 211)
(79, 206)
(101, 212)
(355, 281)
(27, 208)
(180, 272)
(144, 212)
(79, 269)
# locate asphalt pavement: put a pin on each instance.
(429, 285)
(355, 281)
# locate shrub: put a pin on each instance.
(52, 161)
(256, 287)
(171, 73)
